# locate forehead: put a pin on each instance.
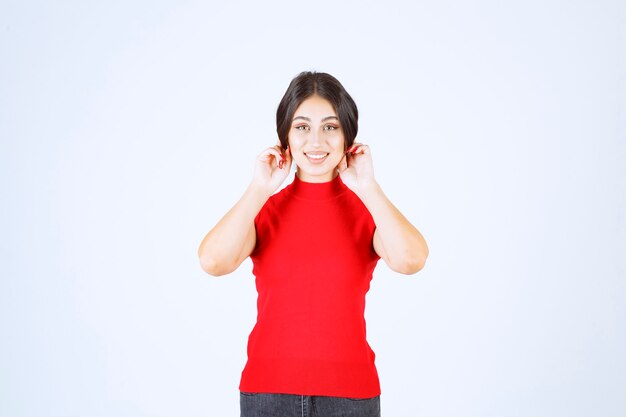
(315, 106)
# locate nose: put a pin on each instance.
(315, 139)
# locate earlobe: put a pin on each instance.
(343, 164)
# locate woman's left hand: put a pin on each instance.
(356, 168)
(395, 240)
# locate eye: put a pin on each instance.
(331, 127)
(301, 127)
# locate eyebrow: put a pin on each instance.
(308, 119)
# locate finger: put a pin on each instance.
(272, 155)
(354, 146)
(287, 154)
(278, 156)
(286, 164)
(359, 149)
(269, 150)
(286, 158)
(273, 152)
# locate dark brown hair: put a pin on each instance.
(307, 84)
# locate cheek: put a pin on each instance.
(295, 147)
(338, 143)
(295, 141)
(339, 149)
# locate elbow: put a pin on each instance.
(412, 259)
(213, 267)
(212, 262)
(411, 264)
(410, 267)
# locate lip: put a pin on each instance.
(317, 160)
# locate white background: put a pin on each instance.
(129, 128)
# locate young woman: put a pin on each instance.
(314, 246)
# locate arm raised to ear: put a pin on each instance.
(396, 240)
(233, 238)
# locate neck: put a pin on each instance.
(316, 178)
(318, 190)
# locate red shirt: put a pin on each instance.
(313, 263)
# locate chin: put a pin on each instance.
(307, 172)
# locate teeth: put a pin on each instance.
(316, 156)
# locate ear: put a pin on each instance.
(347, 145)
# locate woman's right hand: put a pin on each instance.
(271, 168)
(233, 238)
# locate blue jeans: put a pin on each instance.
(289, 405)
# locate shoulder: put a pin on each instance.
(358, 213)
(274, 203)
(354, 202)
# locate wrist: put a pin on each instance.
(367, 188)
(259, 190)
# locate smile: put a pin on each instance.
(316, 158)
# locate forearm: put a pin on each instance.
(226, 245)
(401, 245)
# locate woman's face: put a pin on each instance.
(316, 140)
